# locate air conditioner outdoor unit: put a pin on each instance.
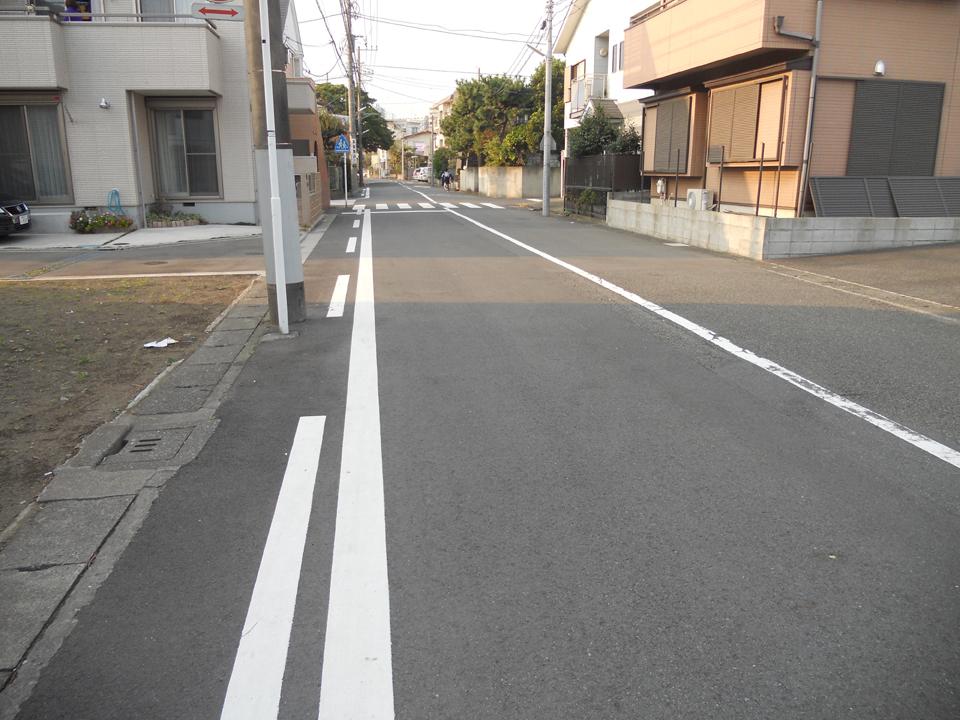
(700, 199)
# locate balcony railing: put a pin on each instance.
(585, 88)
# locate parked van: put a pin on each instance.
(422, 174)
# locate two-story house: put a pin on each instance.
(735, 82)
(133, 95)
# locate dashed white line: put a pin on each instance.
(448, 206)
(253, 692)
(359, 208)
(356, 223)
(357, 677)
(427, 206)
(339, 299)
(403, 206)
(928, 445)
(493, 205)
(381, 206)
(351, 244)
(676, 244)
(470, 205)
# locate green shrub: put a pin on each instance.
(84, 222)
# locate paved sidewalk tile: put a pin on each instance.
(163, 400)
(28, 600)
(213, 355)
(63, 532)
(187, 376)
(83, 484)
(238, 323)
(247, 311)
(219, 338)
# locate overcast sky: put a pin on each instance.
(389, 49)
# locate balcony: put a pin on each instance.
(684, 41)
(180, 55)
(32, 54)
(301, 97)
(583, 89)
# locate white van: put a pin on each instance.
(422, 173)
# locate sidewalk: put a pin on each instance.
(138, 238)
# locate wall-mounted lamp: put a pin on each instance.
(104, 104)
(880, 68)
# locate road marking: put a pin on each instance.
(357, 677)
(922, 442)
(359, 208)
(351, 244)
(403, 206)
(255, 683)
(449, 206)
(381, 206)
(339, 299)
(428, 206)
(356, 223)
(471, 205)
(493, 205)
(676, 244)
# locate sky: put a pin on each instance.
(407, 69)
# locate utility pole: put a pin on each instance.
(347, 9)
(359, 107)
(273, 157)
(547, 110)
(430, 157)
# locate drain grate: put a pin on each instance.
(149, 446)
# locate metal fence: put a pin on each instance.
(587, 180)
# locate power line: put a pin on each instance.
(450, 32)
(444, 28)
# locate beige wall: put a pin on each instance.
(32, 54)
(695, 33)
(832, 121)
(917, 40)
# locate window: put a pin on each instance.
(164, 10)
(185, 148)
(613, 58)
(895, 130)
(672, 136)
(744, 121)
(620, 66)
(33, 162)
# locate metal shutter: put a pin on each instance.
(661, 149)
(881, 199)
(744, 136)
(768, 120)
(680, 133)
(917, 130)
(721, 124)
(950, 192)
(917, 197)
(840, 196)
(872, 132)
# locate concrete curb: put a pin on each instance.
(62, 547)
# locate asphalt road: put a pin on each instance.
(535, 498)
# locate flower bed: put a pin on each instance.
(94, 221)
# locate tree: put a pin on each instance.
(442, 160)
(485, 111)
(376, 134)
(594, 135)
(333, 98)
(627, 142)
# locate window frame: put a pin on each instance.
(23, 101)
(182, 105)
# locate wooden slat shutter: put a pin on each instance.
(915, 137)
(744, 138)
(680, 133)
(768, 120)
(872, 131)
(661, 148)
(721, 124)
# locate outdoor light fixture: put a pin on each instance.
(104, 104)
(880, 69)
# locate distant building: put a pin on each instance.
(438, 111)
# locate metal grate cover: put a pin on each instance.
(886, 196)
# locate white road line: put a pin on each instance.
(470, 205)
(403, 206)
(381, 206)
(359, 208)
(351, 244)
(356, 223)
(922, 442)
(357, 678)
(449, 206)
(428, 206)
(493, 205)
(255, 683)
(339, 299)
(676, 245)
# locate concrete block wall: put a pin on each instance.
(766, 238)
(510, 182)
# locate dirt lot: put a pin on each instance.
(72, 357)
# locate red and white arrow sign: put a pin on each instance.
(218, 11)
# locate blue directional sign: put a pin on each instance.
(343, 145)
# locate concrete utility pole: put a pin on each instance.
(273, 157)
(430, 156)
(352, 97)
(359, 106)
(547, 110)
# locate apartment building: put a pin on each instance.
(591, 39)
(132, 95)
(734, 82)
(438, 111)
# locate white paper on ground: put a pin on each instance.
(160, 343)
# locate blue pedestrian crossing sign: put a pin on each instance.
(343, 145)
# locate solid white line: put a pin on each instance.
(357, 678)
(403, 206)
(356, 223)
(339, 299)
(255, 683)
(448, 205)
(381, 206)
(470, 205)
(493, 205)
(406, 212)
(351, 244)
(428, 206)
(922, 442)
